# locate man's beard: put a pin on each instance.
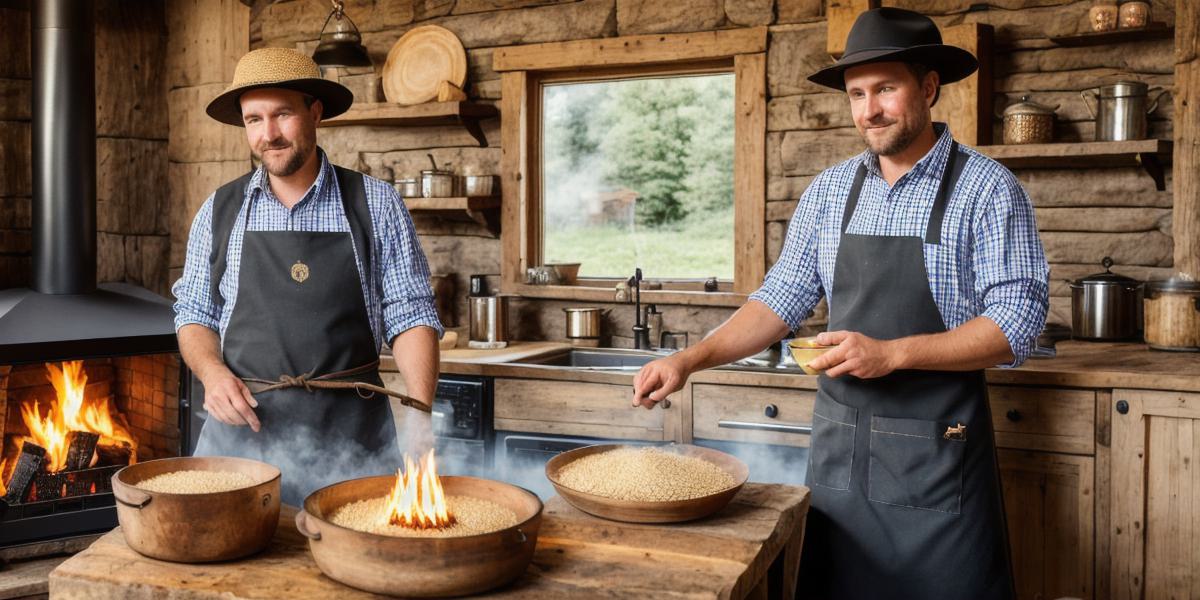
(900, 139)
(291, 162)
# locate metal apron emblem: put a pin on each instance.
(299, 272)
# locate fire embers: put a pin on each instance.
(75, 434)
(417, 500)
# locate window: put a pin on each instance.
(639, 173)
(638, 151)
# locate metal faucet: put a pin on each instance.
(641, 333)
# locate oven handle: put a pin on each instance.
(776, 427)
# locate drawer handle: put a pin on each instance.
(776, 427)
(1014, 415)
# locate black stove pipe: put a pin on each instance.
(64, 147)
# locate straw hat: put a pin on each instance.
(278, 68)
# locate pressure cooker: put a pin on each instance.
(1106, 307)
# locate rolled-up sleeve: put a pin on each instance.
(792, 287)
(1011, 274)
(407, 297)
(193, 293)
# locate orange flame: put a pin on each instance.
(3, 466)
(417, 500)
(72, 412)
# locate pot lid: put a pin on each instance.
(1179, 283)
(1028, 107)
(1107, 277)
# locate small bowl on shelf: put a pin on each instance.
(568, 273)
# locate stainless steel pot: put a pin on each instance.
(583, 322)
(489, 318)
(1106, 306)
(1121, 110)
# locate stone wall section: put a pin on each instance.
(1084, 214)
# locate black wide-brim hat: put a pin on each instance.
(897, 35)
(278, 68)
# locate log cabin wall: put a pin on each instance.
(1084, 214)
(131, 141)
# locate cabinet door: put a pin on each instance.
(1048, 500)
(580, 408)
(1155, 494)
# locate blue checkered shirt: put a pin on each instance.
(397, 293)
(990, 261)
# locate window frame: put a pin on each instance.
(525, 69)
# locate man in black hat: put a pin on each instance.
(929, 257)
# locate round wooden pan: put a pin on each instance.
(632, 511)
(419, 61)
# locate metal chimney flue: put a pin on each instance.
(64, 147)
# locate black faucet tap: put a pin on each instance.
(641, 332)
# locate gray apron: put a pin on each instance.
(905, 486)
(300, 309)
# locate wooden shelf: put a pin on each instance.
(1150, 155)
(1154, 31)
(484, 210)
(429, 114)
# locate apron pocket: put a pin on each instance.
(831, 452)
(914, 465)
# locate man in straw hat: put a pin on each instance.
(296, 275)
(929, 258)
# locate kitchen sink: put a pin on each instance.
(615, 359)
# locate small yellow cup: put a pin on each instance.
(804, 350)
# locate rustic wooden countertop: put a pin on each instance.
(1077, 364)
(578, 556)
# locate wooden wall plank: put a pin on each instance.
(631, 50)
(513, 125)
(750, 172)
(1186, 166)
(966, 106)
(841, 15)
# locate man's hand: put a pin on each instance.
(856, 354)
(228, 400)
(658, 379)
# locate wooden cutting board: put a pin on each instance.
(420, 61)
(514, 351)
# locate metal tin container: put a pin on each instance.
(1172, 310)
(1105, 306)
(583, 322)
(489, 318)
(1121, 110)
(409, 187)
(436, 183)
(1028, 122)
(479, 185)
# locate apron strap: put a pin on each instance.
(852, 200)
(950, 174)
(227, 201)
(358, 214)
(340, 380)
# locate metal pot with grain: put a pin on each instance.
(1172, 311)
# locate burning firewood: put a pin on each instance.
(28, 464)
(114, 455)
(82, 446)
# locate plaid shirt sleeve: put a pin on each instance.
(193, 294)
(1011, 274)
(407, 297)
(793, 287)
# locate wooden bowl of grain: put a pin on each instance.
(647, 484)
(490, 552)
(197, 508)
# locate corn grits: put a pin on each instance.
(645, 475)
(472, 516)
(196, 482)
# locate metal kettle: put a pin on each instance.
(1121, 110)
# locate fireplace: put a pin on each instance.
(69, 426)
(65, 327)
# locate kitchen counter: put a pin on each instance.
(727, 555)
(1077, 364)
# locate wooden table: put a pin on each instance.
(750, 549)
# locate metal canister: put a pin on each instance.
(1028, 122)
(489, 318)
(436, 183)
(1121, 110)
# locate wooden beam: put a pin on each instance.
(967, 105)
(1186, 217)
(750, 172)
(840, 15)
(513, 127)
(631, 50)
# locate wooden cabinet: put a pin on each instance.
(566, 407)
(762, 415)
(1051, 419)
(1155, 528)
(1049, 502)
